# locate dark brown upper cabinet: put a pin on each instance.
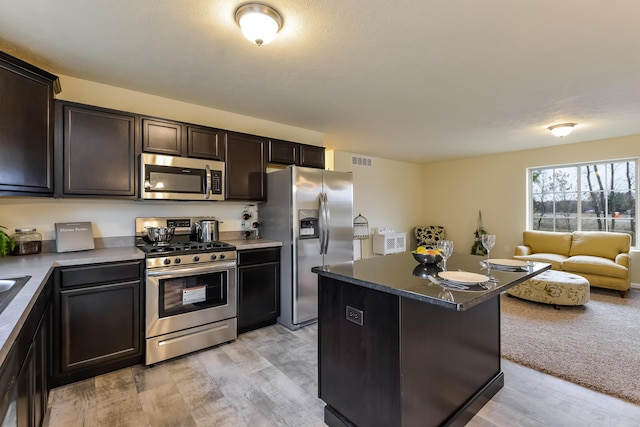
(311, 156)
(205, 143)
(173, 138)
(26, 132)
(162, 137)
(97, 148)
(284, 152)
(293, 153)
(246, 167)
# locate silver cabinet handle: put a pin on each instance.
(208, 182)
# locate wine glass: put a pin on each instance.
(445, 294)
(488, 241)
(445, 248)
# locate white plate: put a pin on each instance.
(463, 277)
(508, 262)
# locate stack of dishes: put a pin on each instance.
(507, 264)
(464, 280)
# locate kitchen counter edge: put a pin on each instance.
(243, 244)
(344, 272)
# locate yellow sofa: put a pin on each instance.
(600, 257)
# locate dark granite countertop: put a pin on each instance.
(401, 275)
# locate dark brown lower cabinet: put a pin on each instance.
(97, 320)
(359, 363)
(386, 360)
(258, 288)
(24, 388)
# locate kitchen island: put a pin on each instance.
(397, 349)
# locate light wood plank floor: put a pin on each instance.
(268, 377)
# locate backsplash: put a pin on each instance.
(110, 218)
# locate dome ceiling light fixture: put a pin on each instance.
(562, 129)
(259, 22)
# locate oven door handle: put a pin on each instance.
(170, 273)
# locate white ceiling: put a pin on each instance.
(413, 80)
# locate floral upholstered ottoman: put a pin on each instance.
(554, 287)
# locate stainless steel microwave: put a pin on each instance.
(180, 178)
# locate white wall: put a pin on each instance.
(387, 193)
(497, 185)
(110, 218)
(92, 93)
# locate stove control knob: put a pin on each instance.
(221, 256)
(177, 261)
(166, 261)
(196, 258)
(213, 257)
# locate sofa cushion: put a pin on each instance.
(554, 259)
(594, 265)
(600, 243)
(548, 242)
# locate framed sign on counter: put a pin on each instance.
(74, 236)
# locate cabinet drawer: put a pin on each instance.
(258, 256)
(100, 273)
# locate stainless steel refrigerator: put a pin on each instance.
(311, 212)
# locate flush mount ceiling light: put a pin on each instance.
(259, 22)
(562, 129)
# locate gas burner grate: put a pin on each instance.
(186, 247)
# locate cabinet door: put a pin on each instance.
(25, 384)
(23, 374)
(99, 324)
(311, 156)
(162, 137)
(283, 152)
(258, 296)
(246, 167)
(205, 143)
(352, 347)
(41, 345)
(26, 132)
(98, 151)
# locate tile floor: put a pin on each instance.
(268, 377)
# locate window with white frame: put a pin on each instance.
(599, 196)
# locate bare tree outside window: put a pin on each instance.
(589, 197)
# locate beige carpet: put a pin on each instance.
(596, 345)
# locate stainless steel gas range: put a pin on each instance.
(190, 289)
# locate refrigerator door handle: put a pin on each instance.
(327, 221)
(321, 222)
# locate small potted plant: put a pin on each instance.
(6, 244)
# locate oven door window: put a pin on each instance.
(171, 179)
(185, 294)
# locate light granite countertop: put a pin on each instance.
(242, 244)
(40, 268)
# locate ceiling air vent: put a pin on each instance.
(360, 161)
